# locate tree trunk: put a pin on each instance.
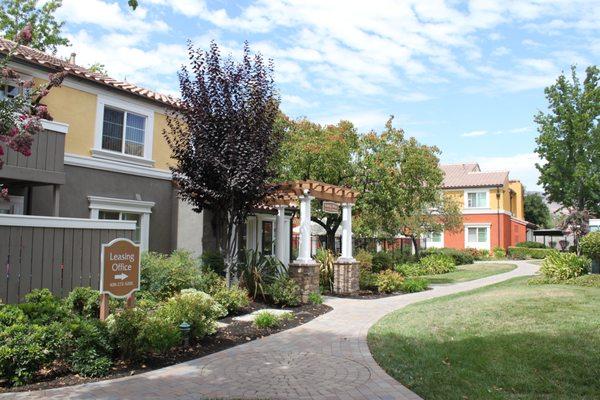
(416, 245)
(330, 241)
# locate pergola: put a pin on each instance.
(290, 193)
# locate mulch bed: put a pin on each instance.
(237, 332)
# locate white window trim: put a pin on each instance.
(466, 199)
(144, 208)
(99, 152)
(478, 245)
(431, 243)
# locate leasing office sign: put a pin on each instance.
(120, 274)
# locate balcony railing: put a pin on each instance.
(45, 165)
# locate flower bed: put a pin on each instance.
(48, 342)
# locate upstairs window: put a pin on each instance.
(477, 200)
(8, 91)
(123, 132)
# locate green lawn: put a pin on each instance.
(469, 272)
(506, 341)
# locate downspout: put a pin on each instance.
(498, 212)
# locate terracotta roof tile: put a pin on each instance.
(38, 57)
(469, 175)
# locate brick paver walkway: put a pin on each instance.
(327, 358)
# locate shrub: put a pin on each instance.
(134, 332)
(476, 253)
(84, 301)
(367, 280)
(90, 348)
(257, 272)
(437, 264)
(563, 266)
(364, 258)
(25, 348)
(522, 253)
(125, 330)
(531, 245)
(590, 245)
(265, 319)
(89, 363)
(410, 269)
(381, 261)
(325, 259)
(389, 281)
(232, 299)
(209, 282)
(460, 257)
(213, 261)
(42, 307)
(414, 284)
(196, 308)
(165, 276)
(315, 298)
(402, 255)
(499, 252)
(284, 291)
(11, 315)
(158, 335)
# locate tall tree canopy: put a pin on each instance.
(323, 153)
(45, 29)
(401, 184)
(536, 210)
(569, 142)
(222, 138)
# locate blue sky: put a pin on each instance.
(467, 76)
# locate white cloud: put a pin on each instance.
(500, 51)
(521, 167)
(474, 133)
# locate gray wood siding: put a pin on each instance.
(58, 259)
(46, 164)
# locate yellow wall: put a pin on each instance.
(161, 153)
(519, 199)
(78, 109)
(504, 203)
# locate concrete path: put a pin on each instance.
(327, 358)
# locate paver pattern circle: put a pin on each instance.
(294, 372)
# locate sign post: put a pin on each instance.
(119, 272)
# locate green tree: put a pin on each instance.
(98, 68)
(569, 142)
(536, 210)
(401, 188)
(322, 153)
(45, 29)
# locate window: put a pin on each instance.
(123, 132)
(477, 237)
(477, 199)
(123, 216)
(435, 237)
(14, 205)
(8, 91)
(267, 238)
(125, 210)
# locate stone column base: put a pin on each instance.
(306, 275)
(345, 276)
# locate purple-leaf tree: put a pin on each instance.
(223, 139)
(21, 112)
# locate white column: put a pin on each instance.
(304, 256)
(346, 233)
(145, 231)
(280, 234)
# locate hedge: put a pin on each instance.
(525, 252)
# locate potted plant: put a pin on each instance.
(590, 246)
